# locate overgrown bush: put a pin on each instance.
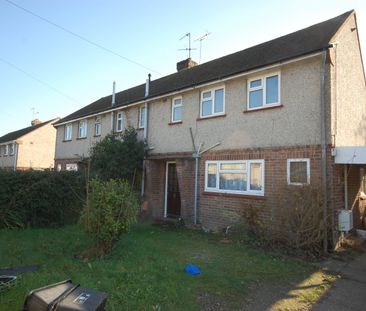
(111, 208)
(297, 222)
(118, 157)
(40, 199)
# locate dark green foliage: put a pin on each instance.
(111, 208)
(118, 157)
(40, 199)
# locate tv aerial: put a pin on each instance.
(189, 49)
(200, 39)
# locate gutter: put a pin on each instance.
(179, 91)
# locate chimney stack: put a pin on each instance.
(35, 122)
(186, 64)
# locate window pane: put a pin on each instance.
(232, 166)
(219, 101)
(233, 181)
(255, 99)
(272, 90)
(211, 175)
(177, 101)
(256, 176)
(206, 95)
(142, 117)
(256, 83)
(119, 125)
(177, 113)
(207, 108)
(298, 172)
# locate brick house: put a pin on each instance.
(32, 147)
(235, 131)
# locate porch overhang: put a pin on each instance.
(350, 155)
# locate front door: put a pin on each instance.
(172, 208)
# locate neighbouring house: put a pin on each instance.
(235, 131)
(32, 147)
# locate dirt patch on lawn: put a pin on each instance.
(297, 295)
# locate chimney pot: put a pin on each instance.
(186, 64)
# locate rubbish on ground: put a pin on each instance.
(191, 269)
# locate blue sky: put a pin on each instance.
(68, 73)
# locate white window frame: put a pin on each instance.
(11, 149)
(142, 123)
(263, 87)
(212, 90)
(247, 171)
(6, 152)
(71, 167)
(307, 160)
(174, 106)
(68, 132)
(119, 117)
(97, 125)
(82, 127)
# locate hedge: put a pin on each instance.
(40, 198)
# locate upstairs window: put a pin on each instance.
(11, 149)
(241, 177)
(97, 127)
(212, 102)
(6, 151)
(298, 172)
(177, 109)
(264, 92)
(68, 132)
(82, 129)
(142, 117)
(119, 125)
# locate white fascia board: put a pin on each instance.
(350, 155)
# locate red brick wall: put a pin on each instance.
(216, 211)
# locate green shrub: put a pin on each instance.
(111, 208)
(40, 199)
(124, 151)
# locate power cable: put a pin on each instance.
(80, 37)
(38, 80)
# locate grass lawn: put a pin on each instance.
(145, 269)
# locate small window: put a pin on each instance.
(68, 132)
(71, 167)
(264, 91)
(119, 126)
(82, 129)
(59, 167)
(177, 109)
(241, 177)
(298, 171)
(212, 102)
(11, 149)
(142, 117)
(97, 127)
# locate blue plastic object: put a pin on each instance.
(191, 269)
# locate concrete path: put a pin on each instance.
(348, 293)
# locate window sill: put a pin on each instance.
(175, 123)
(263, 108)
(97, 135)
(80, 138)
(235, 195)
(211, 117)
(140, 129)
(66, 140)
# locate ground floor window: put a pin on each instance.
(241, 177)
(298, 172)
(71, 167)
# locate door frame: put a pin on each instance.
(166, 187)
